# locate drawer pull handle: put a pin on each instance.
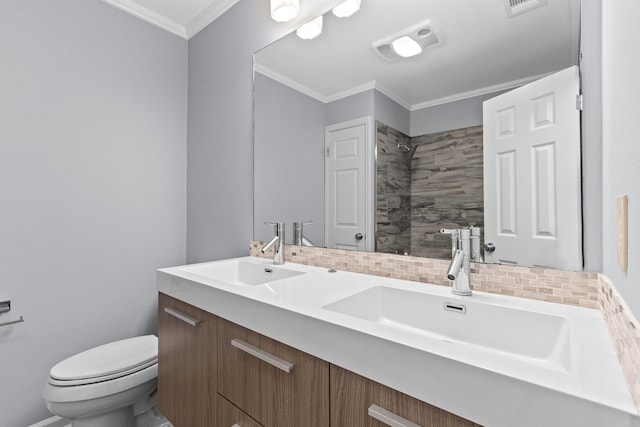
(389, 418)
(175, 313)
(272, 360)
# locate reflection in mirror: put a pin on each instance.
(426, 127)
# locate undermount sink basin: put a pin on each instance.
(241, 273)
(539, 337)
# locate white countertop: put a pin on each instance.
(489, 387)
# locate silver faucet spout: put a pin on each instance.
(456, 265)
(277, 243)
(266, 248)
(459, 273)
(460, 267)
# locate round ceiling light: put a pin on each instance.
(284, 10)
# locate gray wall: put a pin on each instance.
(92, 183)
(620, 133)
(452, 115)
(391, 113)
(220, 133)
(289, 160)
(350, 108)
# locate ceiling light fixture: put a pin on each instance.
(284, 10)
(407, 43)
(346, 8)
(406, 47)
(311, 29)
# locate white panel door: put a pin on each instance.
(346, 185)
(532, 192)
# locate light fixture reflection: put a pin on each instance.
(311, 29)
(346, 8)
(406, 47)
(284, 10)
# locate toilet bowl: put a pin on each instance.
(105, 386)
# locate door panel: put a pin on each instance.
(346, 185)
(532, 174)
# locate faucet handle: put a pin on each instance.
(453, 231)
(278, 227)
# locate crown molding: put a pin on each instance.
(478, 92)
(390, 94)
(207, 16)
(353, 91)
(149, 16)
(273, 75)
(393, 96)
(295, 85)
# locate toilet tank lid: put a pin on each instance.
(108, 359)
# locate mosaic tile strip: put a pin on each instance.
(573, 288)
(624, 330)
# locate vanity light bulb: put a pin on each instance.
(284, 10)
(311, 29)
(406, 47)
(346, 8)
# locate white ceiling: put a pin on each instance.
(181, 17)
(482, 50)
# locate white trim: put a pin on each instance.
(53, 422)
(353, 91)
(268, 72)
(478, 92)
(207, 16)
(293, 84)
(370, 177)
(392, 96)
(149, 16)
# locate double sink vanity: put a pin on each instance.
(248, 343)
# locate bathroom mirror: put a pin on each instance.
(425, 110)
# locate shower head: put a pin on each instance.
(410, 150)
(403, 147)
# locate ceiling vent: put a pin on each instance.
(518, 7)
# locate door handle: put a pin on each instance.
(254, 351)
(358, 236)
(489, 247)
(389, 418)
(178, 315)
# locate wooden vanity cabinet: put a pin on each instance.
(273, 383)
(352, 396)
(228, 415)
(186, 363)
(212, 372)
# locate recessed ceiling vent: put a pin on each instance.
(518, 7)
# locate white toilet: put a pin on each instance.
(106, 386)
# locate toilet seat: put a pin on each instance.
(105, 370)
(106, 362)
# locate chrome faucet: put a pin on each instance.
(465, 247)
(298, 234)
(277, 243)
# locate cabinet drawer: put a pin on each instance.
(275, 384)
(357, 401)
(186, 362)
(227, 415)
